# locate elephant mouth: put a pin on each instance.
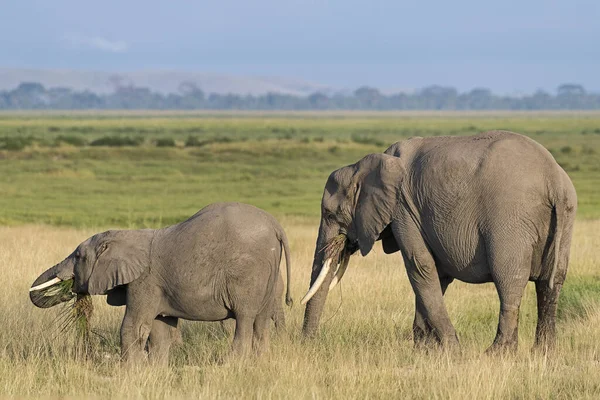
(51, 293)
(338, 250)
(351, 247)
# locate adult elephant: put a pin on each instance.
(223, 262)
(493, 207)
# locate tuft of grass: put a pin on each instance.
(334, 248)
(83, 309)
(75, 316)
(579, 296)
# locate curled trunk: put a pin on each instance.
(53, 286)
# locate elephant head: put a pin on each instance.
(100, 264)
(358, 205)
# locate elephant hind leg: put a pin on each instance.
(164, 332)
(510, 272)
(279, 318)
(261, 332)
(242, 338)
(547, 304)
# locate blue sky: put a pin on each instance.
(509, 46)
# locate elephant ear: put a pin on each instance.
(378, 188)
(117, 264)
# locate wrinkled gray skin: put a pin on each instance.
(493, 207)
(221, 263)
(277, 314)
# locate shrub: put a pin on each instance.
(566, 150)
(193, 141)
(15, 143)
(73, 140)
(117, 141)
(165, 142)
(367, 140)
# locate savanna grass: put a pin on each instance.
(363, 349)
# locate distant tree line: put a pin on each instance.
(34, 96)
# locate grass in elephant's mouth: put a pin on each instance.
(334, 248)
(77, 315)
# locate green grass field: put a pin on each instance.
(62, 180)
(275, 162)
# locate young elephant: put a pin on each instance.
(221, 263)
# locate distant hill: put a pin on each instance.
(164, 82)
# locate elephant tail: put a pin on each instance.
(558, 217)
(288, 266)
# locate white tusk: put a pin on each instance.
(318, 282)
(341, 270)
(45, 284)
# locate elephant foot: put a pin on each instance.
(502, 348)
(505, 342)
(543, 347)
(426, 342)
(433, 342)
(450, 341)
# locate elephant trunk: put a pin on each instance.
(53, 286)
(321, 278)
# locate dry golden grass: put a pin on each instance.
(364, 349)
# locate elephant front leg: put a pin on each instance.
(431, 316)
(423, 334)
(140, 313)
(431, 320)
(164, 332)
(134, 335)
